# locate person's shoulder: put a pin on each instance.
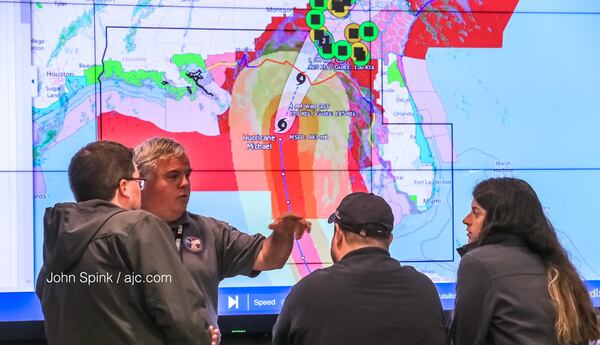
(205, 220)
(479, 257)
(417, 277)
(196, 217)
(493, 259)
(133, 216)
(494, 253)
(314, 282)
(136, 220)
(413, 271)
(499, 260)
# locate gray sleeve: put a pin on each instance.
(177, 306)
(238, 251)
(474, 304)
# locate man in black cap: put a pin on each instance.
(366, 297)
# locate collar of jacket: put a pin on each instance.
(504, 238)
(183, 220)
(466, 248)
(366, 251)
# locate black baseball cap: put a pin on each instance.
(364, 213)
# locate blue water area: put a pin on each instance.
(59, 155)
(569, 201)
(57, 190)
(56, 183)
(248, 211)
(425, 157)
(427, 236)
(533, 102)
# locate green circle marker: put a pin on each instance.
(363, 63)
(318, 5)
(327, 37)
(315, 19)
(326, 48)
(362, 56)
(327, 55)
(342, 50)
(368, 31)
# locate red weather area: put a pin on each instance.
(442, 23)
(446, 23)
(211, 154)
(212, 159)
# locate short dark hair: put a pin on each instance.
(96, 169)
(373, 239)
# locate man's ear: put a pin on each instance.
(123, 190)
(390, 239)
(339, 236)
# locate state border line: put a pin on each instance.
(99, 117)
(99, 126)
(419, 126)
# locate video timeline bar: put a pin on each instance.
(269, 300)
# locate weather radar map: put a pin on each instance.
(291, 105)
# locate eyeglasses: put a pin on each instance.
(141, 181)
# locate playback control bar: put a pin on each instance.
(269, 300)
(252, 300)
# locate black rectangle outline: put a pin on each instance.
(414, 12)
(434, 170)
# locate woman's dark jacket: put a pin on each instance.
(502, 296)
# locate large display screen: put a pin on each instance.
(289, 105)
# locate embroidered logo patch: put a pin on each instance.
(193, 244)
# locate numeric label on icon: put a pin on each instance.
(301, 78)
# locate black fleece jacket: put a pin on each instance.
(90, 250)
(502, 296)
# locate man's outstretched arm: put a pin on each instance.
(277, 248)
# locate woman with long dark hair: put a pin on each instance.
(516, 284)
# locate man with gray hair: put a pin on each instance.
(210, 249)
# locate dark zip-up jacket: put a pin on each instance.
(367, 297)
(113, 276)
(502, 296)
